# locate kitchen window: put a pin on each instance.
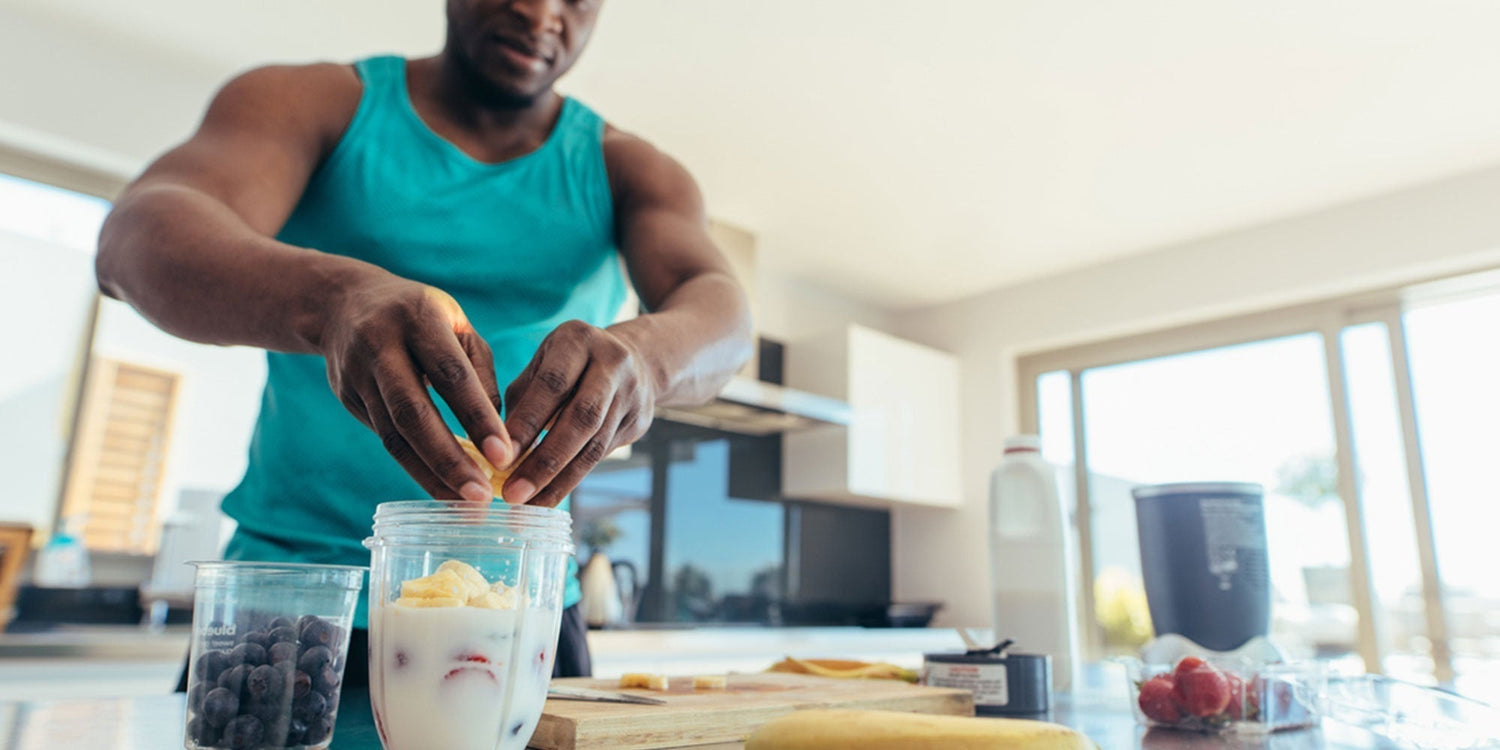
(1368, 420)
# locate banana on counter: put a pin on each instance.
(831, 729)
(844, 668)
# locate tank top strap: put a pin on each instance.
(382, 77)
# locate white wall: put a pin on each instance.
(98, 92)
(791, 309)
(1451, 226)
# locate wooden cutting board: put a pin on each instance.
(718, 716)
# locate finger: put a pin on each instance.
(593, 451)
(417, 421)
(446, 366)
(356, 406)
(501, 447)
(401, 450)
(347, 392)
(579, 420)
(544, 387)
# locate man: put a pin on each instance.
(446, 221)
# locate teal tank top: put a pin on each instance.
(523, 245)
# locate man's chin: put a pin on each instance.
(515, 92)
(501, 84)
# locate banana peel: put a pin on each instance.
(844, 669)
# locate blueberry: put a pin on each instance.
(268, 711)
(195, 695)
(248, 653)
(296, 732)
(211, 664)
(314, 659)
(318, 632)
(310, 707)
(318, 730)
(202, 732)
(257, 637)
(219, 706)
(233, 680)
(244, 732)
(326, 680)
(301, 684)
(265, 682)
(284, 634)
(283, 652)
(280, 622)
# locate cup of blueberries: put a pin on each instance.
(270, 641)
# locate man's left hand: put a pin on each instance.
(595, 388)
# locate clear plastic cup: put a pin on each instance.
(464, 666)
(270, 641)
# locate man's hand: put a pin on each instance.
(596, 384)
(386, 339)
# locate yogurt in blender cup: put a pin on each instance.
(456, 664)
(461, 652)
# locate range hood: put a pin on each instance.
(755, 407)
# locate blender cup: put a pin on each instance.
(465, 605)
(269, 647)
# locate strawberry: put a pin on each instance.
(1156, 700)
(1202, 690)
(1186, 665)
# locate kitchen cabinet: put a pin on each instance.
(901, 446)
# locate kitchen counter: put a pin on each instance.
(97, 642)
(114, 661)
(155, 723)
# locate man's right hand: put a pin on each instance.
(386, 338)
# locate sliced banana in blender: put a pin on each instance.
(429, 602)
(442, 584)
(473, 579)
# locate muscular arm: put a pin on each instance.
(601, 385)
(190, 245)
(696, 333)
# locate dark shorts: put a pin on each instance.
(572, 653)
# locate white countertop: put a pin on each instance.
(752, 649)
(104, 662)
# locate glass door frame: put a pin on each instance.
(1329, 318)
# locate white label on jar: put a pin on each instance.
(1234, 535)
(986, 681)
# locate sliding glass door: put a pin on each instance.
(1372, 424)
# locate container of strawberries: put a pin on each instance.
(1228, 694)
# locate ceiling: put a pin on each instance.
(913, 153)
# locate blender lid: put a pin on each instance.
(1197, 488)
